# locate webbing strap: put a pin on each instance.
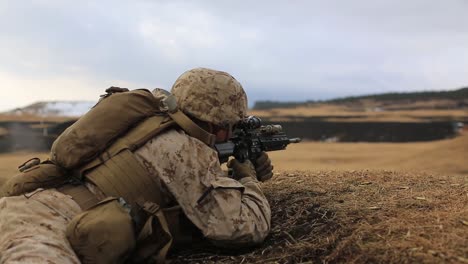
(145, 131)
(191, 128)
(145, 186)
(80, 194)
(147, 234)
(161, 257)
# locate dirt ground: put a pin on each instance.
(354, 203)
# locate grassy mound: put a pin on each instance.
(357, 217)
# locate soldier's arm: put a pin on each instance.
(227, 211)
(238, 212)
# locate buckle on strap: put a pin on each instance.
(29, 164)
(167, 101)
(151, 208)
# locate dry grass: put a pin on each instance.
(358, 217)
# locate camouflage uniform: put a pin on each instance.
(225, 210)
(32, 228)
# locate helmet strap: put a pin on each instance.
(168, 104)
(192, 129)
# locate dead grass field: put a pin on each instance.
(357, 217)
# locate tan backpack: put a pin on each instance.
(117, 112)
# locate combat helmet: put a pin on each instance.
(211, 96)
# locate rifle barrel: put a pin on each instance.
(295, 140)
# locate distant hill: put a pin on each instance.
(459, 94)
(54, 109)
(456, 95)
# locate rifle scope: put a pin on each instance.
(251, 122)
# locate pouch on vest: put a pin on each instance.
(102, 234)
(42, 175)
(109, 119)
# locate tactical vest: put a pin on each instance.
(99, 148)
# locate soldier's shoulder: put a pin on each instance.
(177, 139)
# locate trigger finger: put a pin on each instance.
(266, 177)
(266, 170)
(262, 158)
(264, 165)
(231, 163)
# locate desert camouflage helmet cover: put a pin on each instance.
(211, 96)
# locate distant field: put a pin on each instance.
(371, 111)
(3, 131)
(9, 163)
(445, 156)
(32, 118)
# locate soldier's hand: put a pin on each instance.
(263, 167)
(241, 170)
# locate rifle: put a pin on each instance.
(250, 138)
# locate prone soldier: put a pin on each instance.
(136, 175)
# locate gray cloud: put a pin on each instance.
(295, 50)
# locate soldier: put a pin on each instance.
(181, 174)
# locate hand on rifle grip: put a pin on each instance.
(263, 167)
(241, 170)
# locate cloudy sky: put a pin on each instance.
(278, 50)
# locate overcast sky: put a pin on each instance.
(278, 50)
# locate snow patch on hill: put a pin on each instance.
(56, 108)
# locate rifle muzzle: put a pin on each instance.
(295, 140)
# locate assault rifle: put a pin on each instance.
(250, 138)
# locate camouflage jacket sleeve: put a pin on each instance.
(227, 211)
